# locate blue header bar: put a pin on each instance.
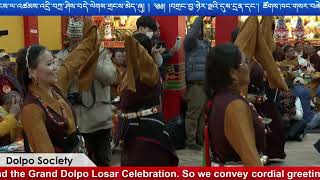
(159, 7)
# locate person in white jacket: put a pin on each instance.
(293, 115)
(93, 107)
(94, 112)
(297, 122)
(297, 63)
(297, 119)
(298, 110)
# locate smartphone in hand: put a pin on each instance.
(178, 43)
(159, 45)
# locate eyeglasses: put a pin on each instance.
(245, 62)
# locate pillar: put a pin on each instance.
(174, 83)
(64, 26)
(224, 26)
(31, 31)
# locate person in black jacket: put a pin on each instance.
(165, 52)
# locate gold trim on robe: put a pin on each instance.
(33, 117)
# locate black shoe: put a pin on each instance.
(291, 138)
(194, 147)
(277, 156)
(300, 137)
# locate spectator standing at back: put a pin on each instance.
(165, 52)
(196, 51)
(147, 25)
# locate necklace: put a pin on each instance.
(63, 111)
(251, 105)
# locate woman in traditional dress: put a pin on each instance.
(236, 130)
(146, 142)
(264, 99)
(47, 117)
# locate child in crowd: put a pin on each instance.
(11, 131)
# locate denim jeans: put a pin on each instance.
(315, 122)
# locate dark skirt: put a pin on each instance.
(147, 143)
(275, 140)
(142, 153)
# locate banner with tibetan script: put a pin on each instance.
(159, 7)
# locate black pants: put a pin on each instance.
(98, 146)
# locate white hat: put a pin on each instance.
(4, 55)
(298, 80)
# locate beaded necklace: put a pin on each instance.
(261, 119)
(63, 111)
(251, 105)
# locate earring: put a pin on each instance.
(36, 81)
(234, 77)
(235, 80)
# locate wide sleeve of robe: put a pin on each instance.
(239, 131)
(86, 53)
(35, 128)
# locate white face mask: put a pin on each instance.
(149, 34)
